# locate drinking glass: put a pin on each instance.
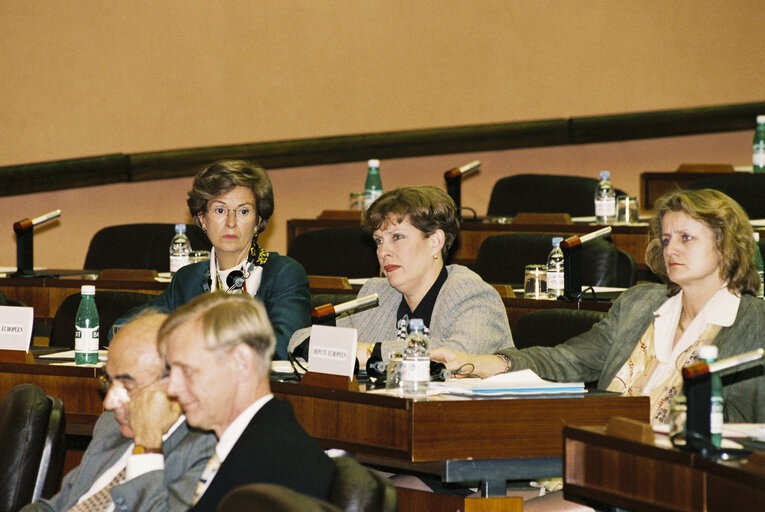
(535, 282)
(627, 210)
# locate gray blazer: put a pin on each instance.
(186, 453)
(468, 316)
(600, 353)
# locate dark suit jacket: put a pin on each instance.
(284, 291)
(273, 448)
(186, 454)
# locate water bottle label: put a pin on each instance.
(716, 415)
(370, 196)
(417, 370)
(605, 207)
(176, 262)
(555, 280)
(86, 339)
(758, 156)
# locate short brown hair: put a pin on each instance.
(220, 177)
(427, 208)
(226, 321)
(734, 237)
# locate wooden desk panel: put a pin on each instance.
(640, 476)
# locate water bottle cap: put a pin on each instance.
(88, 289)
(605, 175)
(557, 240)
(373, 163)
(180, 228)
(416, 323)
(761, 119)
(708, 352)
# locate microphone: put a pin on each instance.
(25, 224)
(459, 171)
(575, 240)
(329, 311)
(235, 281)
(702, 368)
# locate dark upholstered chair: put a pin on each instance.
(343, 251)
(550, 327)
(746, 189)
(139, 246)
(502, 258)
(355, 488)
(544, 193)
(111, 305)
(31, 446)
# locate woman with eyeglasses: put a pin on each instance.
(702, 248)
(232, 201)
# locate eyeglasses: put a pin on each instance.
(106, 383)
(218, 212)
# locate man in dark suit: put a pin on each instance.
(219, 350)
(143, 456)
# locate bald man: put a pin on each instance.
(143, 455)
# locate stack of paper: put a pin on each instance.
(524, 382)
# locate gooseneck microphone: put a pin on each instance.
(329, 311)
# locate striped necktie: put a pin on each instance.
(209, 472)
(101, 500)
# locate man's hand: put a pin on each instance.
(152, 413)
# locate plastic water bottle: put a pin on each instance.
(605, 200)
(758, 146)
(760, 266)
(373, 185)
(415, 365)
(555, 275)
(180, 249)
(86, 328)
(708, 353)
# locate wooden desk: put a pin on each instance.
(639, 476)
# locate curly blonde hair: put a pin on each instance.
(733, 237)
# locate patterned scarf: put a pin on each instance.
(638, 369)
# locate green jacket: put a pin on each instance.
(600, 353)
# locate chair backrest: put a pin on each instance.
(111, 305)
(54, 450)
(544, 193)
(340, 251)
(139, 246)
(746, 189)
(26, 428)
(550, 327)
(502, 259)
(355, 488)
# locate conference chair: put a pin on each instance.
(550, 327)
(746, 189)
(339, 251)
(32, 446)
(355, 488)
(544, 193)
(502, 259)
(139, 246)
(111, 306)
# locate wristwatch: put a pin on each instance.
(140, 450)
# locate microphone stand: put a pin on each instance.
(572, 262)
(24, 230)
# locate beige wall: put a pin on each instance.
(93, 77)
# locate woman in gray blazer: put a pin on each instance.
(702, 247)
(413, 228)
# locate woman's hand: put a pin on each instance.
(468, 365)
(362, 353)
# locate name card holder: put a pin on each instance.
(331, 358)
(13, 356)
(326, 380)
